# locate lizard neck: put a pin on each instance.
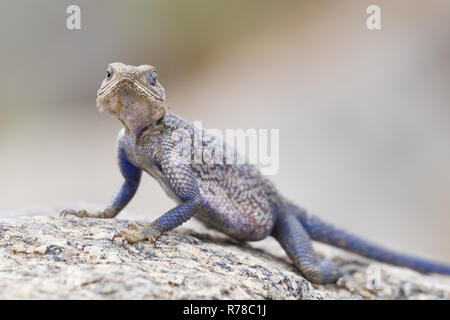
(138, 131)
(153, 128)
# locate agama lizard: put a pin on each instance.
(233, 198)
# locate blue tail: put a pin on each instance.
(322, 231)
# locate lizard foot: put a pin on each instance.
(135, 233)
(107, 213)
(348, 283)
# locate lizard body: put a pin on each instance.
(233, 198)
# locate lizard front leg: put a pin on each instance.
(126, 192)
(182, 181)
(166, 222)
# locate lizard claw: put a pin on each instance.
(107, 213)
(134, 234)
(348, 283)
(71, 212)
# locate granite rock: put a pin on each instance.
(47, 257)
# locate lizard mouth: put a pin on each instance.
(128, 84)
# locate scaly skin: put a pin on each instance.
(233, 198)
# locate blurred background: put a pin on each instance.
(364, 116)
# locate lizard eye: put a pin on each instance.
(108, 74)
(151, 78)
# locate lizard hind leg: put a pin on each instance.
(289, 232)
(291, 235)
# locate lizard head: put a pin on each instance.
(133, 95)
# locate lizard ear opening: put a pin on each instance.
(151, 77)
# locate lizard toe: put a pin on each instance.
(130, 236)
(133, 226)
(346, 281)
(68, 212)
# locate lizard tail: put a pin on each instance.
(322, 231)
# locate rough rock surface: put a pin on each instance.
(43, 257)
